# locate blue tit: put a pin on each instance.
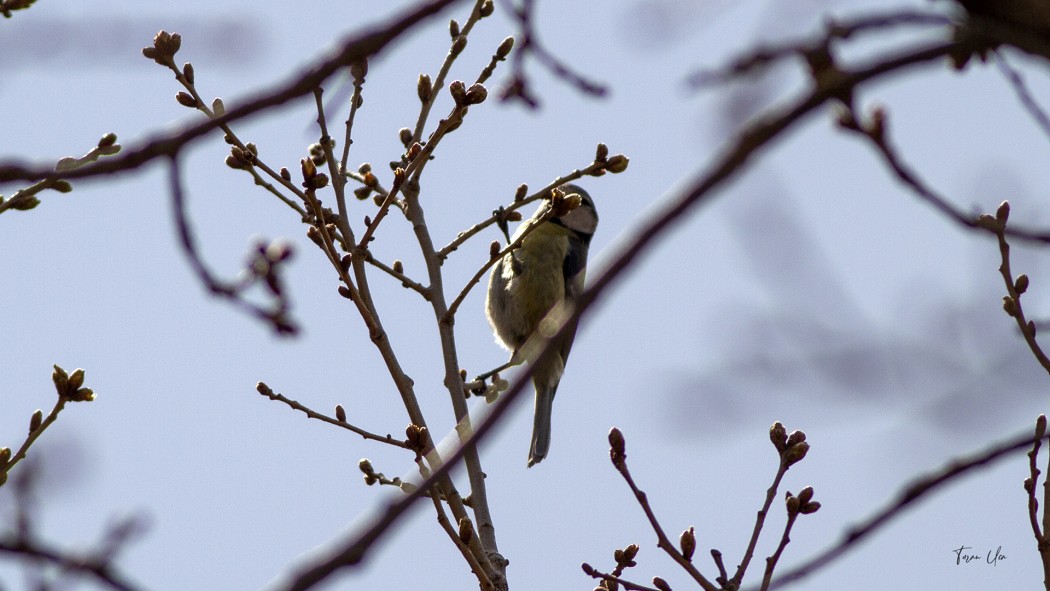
(532, 290)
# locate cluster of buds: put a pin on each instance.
(603, 162)
(562, 203)
(242, 158)
(997, 223)
(464, 97)
(317, 150)
(417, 438)
(803, 503)
(792, 448)
(70, 386)
(165, 46)
(371, 477)
(312, 180)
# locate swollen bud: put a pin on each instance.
(795, 453)
(1021, 284)
(459, 91)
(186, 100)
(424, 88)
(617, 446)
(617, 163)
(505, 48)
(687, 541)
(1003, 213)
(778, 435)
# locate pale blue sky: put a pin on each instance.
(814, 291)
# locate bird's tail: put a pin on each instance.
(541, 427)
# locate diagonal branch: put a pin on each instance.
(353, 49)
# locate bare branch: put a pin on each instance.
(752, 139)
(266, 391)
(276, 316)
(920, 487)
(355, 48)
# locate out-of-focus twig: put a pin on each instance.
(351, 50)
(919, 488)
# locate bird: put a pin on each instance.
(533, 290)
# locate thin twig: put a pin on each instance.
(532, 227)
(630, 586)
(663, 542)
(351, 50)
(1014, 287)
(446, 65)
(404, 279)
(760, 521)
(484, 582)
(542, 193)
(919, 487)
(31, 438)
(877, 134)
(103, 572)
(762, 57)
(529, 44)
(276, 317)
(1041, 541)
(313, 414)
(1023, 93)
(771, 562)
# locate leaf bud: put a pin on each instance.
(186, 100)
(466, 530)
(424, 88)
(76, 379)
(476, 94)
(458, 46)
(617, 163)
(61, 380)
(795, 453)
(1021, 284)
(687, 542)
(1003, 213)
(459, 91)
(617, 446)
(505, 48)
(1010, 306)
(107, 140)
